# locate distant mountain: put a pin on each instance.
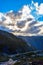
(35, 41)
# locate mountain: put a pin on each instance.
(11, 44)
(35, 41)
(23, 24)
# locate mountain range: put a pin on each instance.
(24, 25)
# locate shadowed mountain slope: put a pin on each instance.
(11, 44)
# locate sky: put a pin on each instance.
(16, 5)
(6, 5)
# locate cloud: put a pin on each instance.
(25, 12)
(26, 9)
(38, 8)
(33, 9)
(41, 8)
(33, 6)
